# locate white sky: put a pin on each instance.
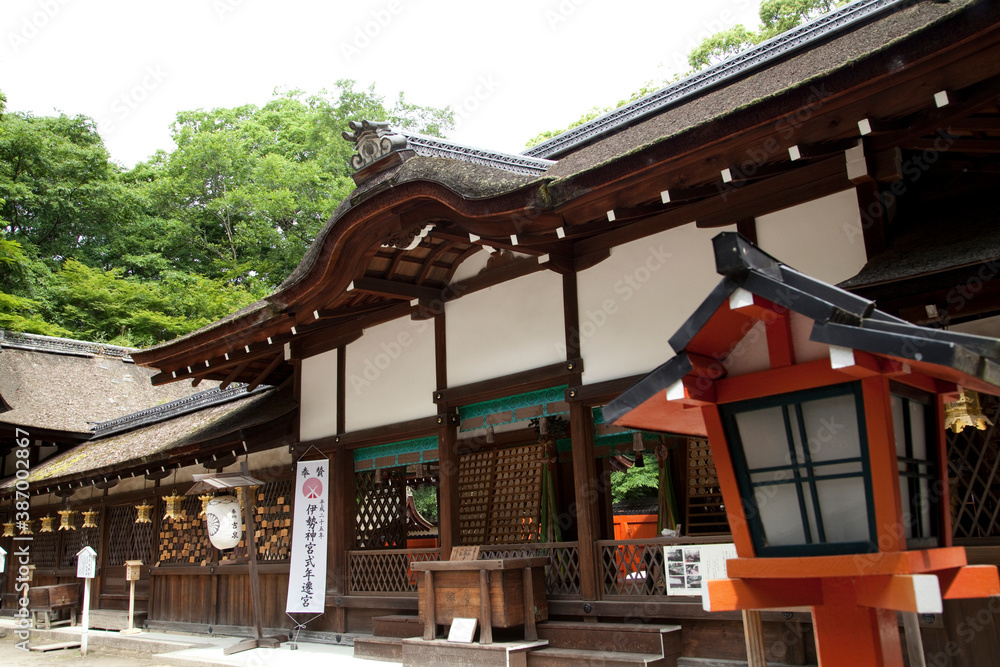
(510, 69)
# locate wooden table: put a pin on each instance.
(501, 593)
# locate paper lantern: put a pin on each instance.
(225, 521)
(8, 529)
(66, 519)
(47, 524)
(142, 513)
(26, 527)
(88, 518)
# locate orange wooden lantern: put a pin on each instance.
(825, 418)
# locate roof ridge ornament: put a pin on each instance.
(373, 141)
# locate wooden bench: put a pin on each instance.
(49, 600)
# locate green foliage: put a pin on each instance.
(776, 17)
(635, 482)
(425, 500)
(140, 256)
(595, 112)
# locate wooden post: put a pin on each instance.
(587, 497)
(448, 528)
(914, 645)
(343, 522)
(485, 613)
(753, 635)
(430, 624)
(251, 542)
(530, 632)
(85, 621)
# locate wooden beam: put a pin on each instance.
(393, 289)
(740, 594)
(537, 378)
(280, 357)
(235, 373)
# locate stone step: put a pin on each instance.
(659, 640)
(562, 657)
(389, 649)
(397, 626)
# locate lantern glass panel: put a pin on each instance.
(916, 458)
(802, 465)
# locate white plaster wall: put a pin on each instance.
(318, 406)
(472, 266)
(986, 326)
(511, 327)
(631, 303)
(822, 238)
(390, 374)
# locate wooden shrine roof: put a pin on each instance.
(59, 385)
(179, 440)
(362, 268)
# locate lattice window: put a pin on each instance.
(71, 543)
(517, 490)
(500, 495)
(44, 548)
(381, 520)
(475, 487)
(974, 476)
(185, 540)
(127, 540)
(274, 520)
(706, 513)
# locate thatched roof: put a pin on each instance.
(67, 387)
(156, 443)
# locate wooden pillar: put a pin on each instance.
(753, 635)
(587, 497)
(343, 519)
(448, 528)
(847, 634)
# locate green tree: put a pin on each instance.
(61, 194)
(247, 189)
(635, 482)
(776, 17)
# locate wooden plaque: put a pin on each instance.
(465, 553)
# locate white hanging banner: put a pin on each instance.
(307, 569)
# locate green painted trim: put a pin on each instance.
(541, 397)
(416, 445)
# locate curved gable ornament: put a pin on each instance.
(373, 141)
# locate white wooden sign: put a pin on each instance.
(462, 630)
(307, 566)
(689, 566)
(86, 563)
(3, 560)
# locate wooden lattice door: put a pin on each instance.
(974, 476)
(500, 495)
(706, 513)
(381, 509)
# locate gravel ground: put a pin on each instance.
(11, 655)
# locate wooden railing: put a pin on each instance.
(562, 574)
(373, 572)
(635, 568)
(388, 570)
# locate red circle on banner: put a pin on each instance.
(312, 488)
